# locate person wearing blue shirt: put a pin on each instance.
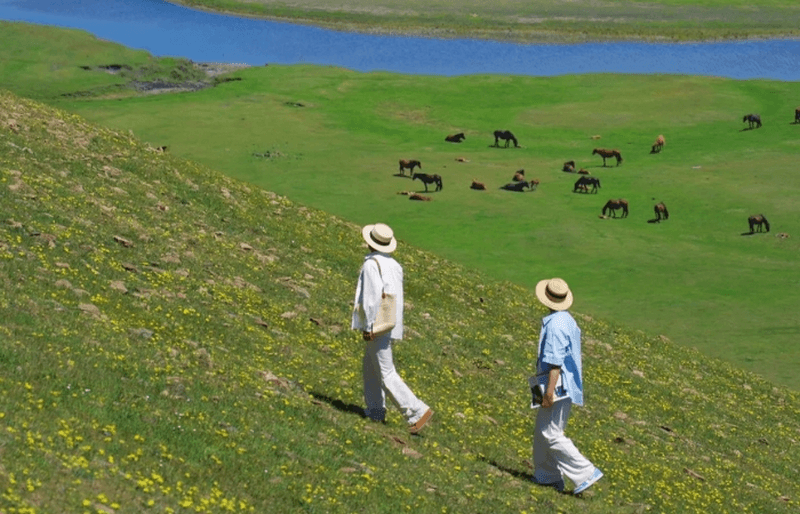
(554, 454)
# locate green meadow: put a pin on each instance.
(175, 326)
(543, 20)
(331, 139)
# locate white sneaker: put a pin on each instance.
(597, 475)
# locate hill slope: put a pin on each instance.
(173, 340)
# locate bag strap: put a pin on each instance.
(383, 284)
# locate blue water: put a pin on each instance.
(166, 29)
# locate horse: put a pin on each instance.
(569, 166)
(583, 183)
(758, 220)
(507, 136)
(583, 172)
(480, 186)
(516, 186)
(455, 138)
(428, 179)
(606, 154)
(797, 115)
(410, 164)
(658, 145)
(533, 184)
(613, 205)
(519, 176)
(752, 120)
(661, 211)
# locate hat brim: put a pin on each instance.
(386, 248)
(541, 294)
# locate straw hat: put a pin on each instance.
(380, 237)
(554, 293)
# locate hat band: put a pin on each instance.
(553, 297)
(375, 239)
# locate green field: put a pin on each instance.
(543, 20)
(331, 138)
(175, 339)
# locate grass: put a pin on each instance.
(175, 340)
(541, 21)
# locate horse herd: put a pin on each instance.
(584, 184)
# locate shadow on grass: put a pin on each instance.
(513, 472)
(348, 408)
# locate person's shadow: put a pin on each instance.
(347, 408)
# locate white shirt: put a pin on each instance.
(370, 288)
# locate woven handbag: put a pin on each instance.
(386, 319)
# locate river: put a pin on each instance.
(165, 29)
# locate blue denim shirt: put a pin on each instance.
(560, 345)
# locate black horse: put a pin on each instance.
(661, 211)
(428, 179)
(797, 115)
(506, 135)
(584, 182)
(517, 186)
(455, 138)
(754, 120)
(613, 205)
(758, 220)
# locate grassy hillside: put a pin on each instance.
(174, 340)
(543, 20)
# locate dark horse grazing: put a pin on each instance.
(584, 182)
(455, 138)
(506, 135)
(410, 165)
(428, 179)
(606, 154)
(797, 115)
(613, 205)
(758, 220)
(516, 186)
(661, 211)
(754, 120)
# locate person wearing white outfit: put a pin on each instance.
(554, 454)
(381, 273)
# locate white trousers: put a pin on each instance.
(554, 454)
(381, 379)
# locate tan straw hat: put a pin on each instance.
(380, 237)
(554, 293)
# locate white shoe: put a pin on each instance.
(597, 475)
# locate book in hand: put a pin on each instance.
(538, 385)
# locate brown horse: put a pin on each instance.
(758, 220)
(607, 154)
(480, 186)
(409, 164)
(661, 211)
(455, 138)
(428, 179)
(507, 136)
(658, 145)
(613, 205)
(519, 176)
(569, 166)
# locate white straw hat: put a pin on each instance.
(380, 237)
(554, 293)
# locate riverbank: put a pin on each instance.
(546, 22)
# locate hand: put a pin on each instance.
(368, 336)
(548, 400)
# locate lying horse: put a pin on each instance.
(661, 211)
(583, 184)
(569, 166)
(658, 145)
(613, 205)
(428, 179)
(507, 135)
(480, 186)
(455, 138)
(758, 220)
(519, 176)
(754, 120)
(410, 165)
(606, 154)
(516, 186)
